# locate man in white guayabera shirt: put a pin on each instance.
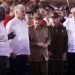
(20, 42)
(5, 49)
(70, 26)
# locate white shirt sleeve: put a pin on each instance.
(66, 22)
(9, 27)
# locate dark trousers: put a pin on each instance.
(19, 65)
(71, 63)
(39, 68)
(4, 65)
(12, 66)
(55, 67)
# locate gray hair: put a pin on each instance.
(19, 7)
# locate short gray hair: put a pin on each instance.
(19, 7)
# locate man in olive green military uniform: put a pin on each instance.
(39, 41)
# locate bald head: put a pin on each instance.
(19, 11)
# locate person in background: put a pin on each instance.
(63, 14)
(28, 18)
(5, 49)
(9, 16)
(47, 17)
(5, 5)
(19, 43)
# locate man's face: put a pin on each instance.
(21, 14)
(55, 21)
(37, 22)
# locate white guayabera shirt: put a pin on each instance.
(20, 43)
(5, 49)
(70, 26)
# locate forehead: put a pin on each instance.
(20, 8)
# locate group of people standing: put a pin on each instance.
(36, 45)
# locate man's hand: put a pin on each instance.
(45, 45)
(49, 53)
(40, 44)
(64, 56)
(13, 55)
(11, 35)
